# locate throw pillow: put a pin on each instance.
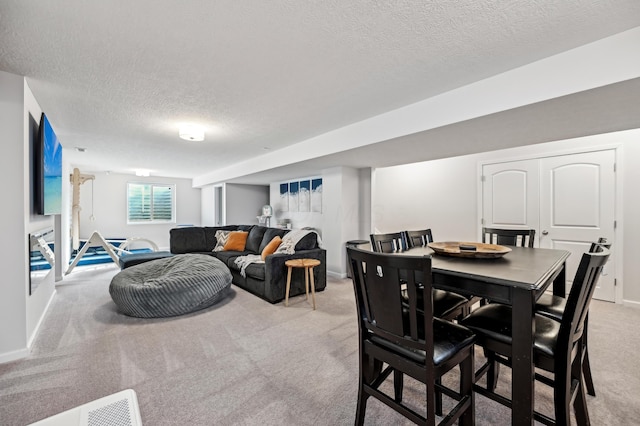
(271, 247)
(237, 240)
(221, 240)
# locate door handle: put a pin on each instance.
(545, 232)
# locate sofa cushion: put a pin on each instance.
(255, 239)
(268, 236)
(245, 228)
(228, 257)
(271, 247)
(308, 242)
(256, 270)
(187, 240)
(237, 241)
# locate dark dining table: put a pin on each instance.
(518, 279)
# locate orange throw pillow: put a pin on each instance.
(237, 240)
(271, 247)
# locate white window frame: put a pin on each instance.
(151, 220)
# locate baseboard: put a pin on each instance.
(631, 304)
(40, 321)
(337, 275)
(12, 356)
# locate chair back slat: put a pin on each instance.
(378, 288)
(388, 243)
(418, 238)
(509, 237)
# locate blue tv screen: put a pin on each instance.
(49, 171)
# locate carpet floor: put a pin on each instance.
(247, 362)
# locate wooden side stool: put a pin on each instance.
(308, 265)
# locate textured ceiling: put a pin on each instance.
(117, 77)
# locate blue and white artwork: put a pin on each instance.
(316, 195)
(304, 195)
(293, 196)
(284, 197)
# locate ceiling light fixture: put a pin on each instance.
(191, 132)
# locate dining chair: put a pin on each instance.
(388, 243)
(446, 304)
(420, 239)
(407, 339)
(509, 237)
(552, 306)
(557, 344)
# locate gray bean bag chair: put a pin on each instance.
(172, 286)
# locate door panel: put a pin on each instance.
(577, 206)
(510, 195)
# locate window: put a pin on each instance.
(150, 203)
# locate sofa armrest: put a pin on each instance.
(276, 271)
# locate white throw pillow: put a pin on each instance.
(221, 239)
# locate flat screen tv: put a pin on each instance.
(48, 170)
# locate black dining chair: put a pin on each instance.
(418, 238)
(388, 243)
(446, 304)
(423, 237)
(552, 306)
(557, 344)
(404, 335)
(509, 237)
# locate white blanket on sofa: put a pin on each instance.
(244, 261)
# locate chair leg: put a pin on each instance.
(438, 397)
(562, 395)
(493, 372)
(586, 370)
(398, 384)
(580, 401)
(466, 388)
(362, 405)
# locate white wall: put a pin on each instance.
(20, 313)
(37, 303)
(13, 291)
(207, 215)
(443, 195)
(243, 203)
(110, 207)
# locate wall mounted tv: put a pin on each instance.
(48, 170)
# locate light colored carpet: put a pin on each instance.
(247, 362)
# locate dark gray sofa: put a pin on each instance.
(267, 280)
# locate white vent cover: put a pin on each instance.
(119, 409)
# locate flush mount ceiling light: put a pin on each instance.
(191, 132)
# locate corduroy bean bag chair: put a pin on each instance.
(171, 286)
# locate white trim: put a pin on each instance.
(337, 275)
(12, 356)
(631, 304)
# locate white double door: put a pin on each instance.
(569, 200)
